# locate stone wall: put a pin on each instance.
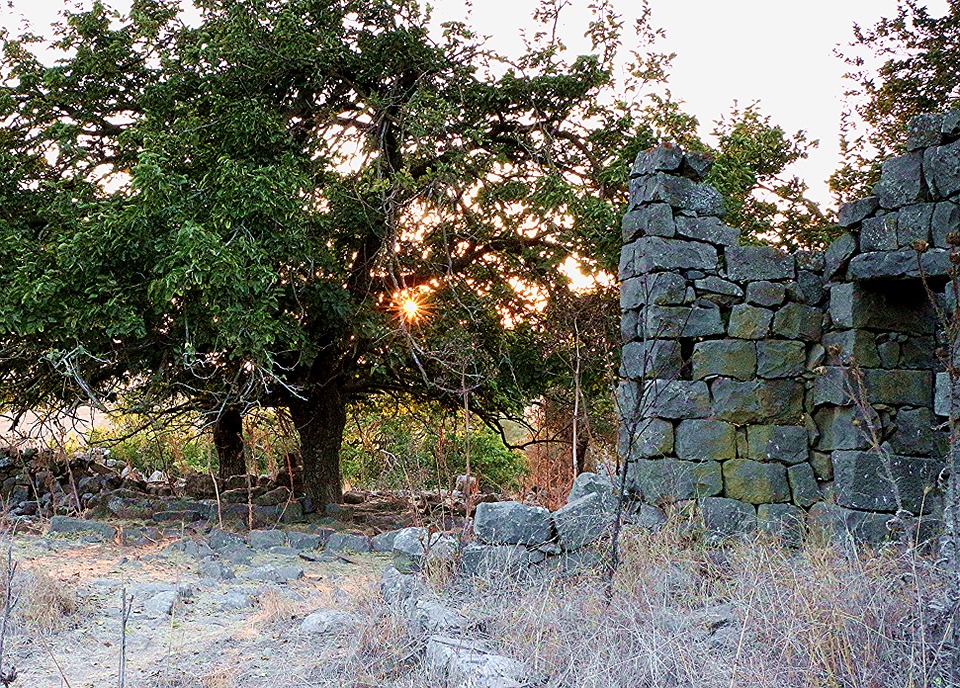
(776, 388)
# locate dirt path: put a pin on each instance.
(218, 633)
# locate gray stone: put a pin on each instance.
(493, 561)
(706, 440)
(265, 539)
(410, 549)
(383, 542)
(217, 570)
(348, 542)
(781, 443)
(161, 604)
(648, 220)
(274, 574)
(810, 288)
(457, 661)
(944, 401)
(649, 437)
(700, 320)
(822, 465)
(647, 517)
(284, 551)
(734, 358)
(832, 386)
(899, 387)
(68, 525)
(735, 402)
(717, 290)
(780, 400)
(784, 521)
(723, 517)
(852, 213)
(865, 480)
(798, 321)
(778, 358)
(663, 158)
(653, 289)
(924, 131)
(838, 255)
(696, 165)
(749, 322)
(843, 427)
(901, 263)
(654, 253)
(431, 616)
(945, 221)
(629, 320)
(512, 523)
(914, 434)
(591, 483)
(914, 224)
(222, 539)
(709, 229)
(303, 541)
(581, 521)
(654, 358)
(679, 192)
(844, 526)
(755, 482)
(879, 233)
(901, 181)
(399, 589)
(676, 399)
(803, 484)
(671, 480)
(950, 127)
(328, 622)
(845, 347)
(942, 169)
(753, 263)
(765, 293)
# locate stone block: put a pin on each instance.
(838, 255)
(724, 517)
(348, 542)
(945, 221)
(581, 521)
(671, 480)
(809, 288)
(803, 484)
(865, 480)
(708, 229)
(676, 399)
(777, 358)
(854, 212)
(899, 264)
(950, 127)
(655, 253)
(941, 166)
(767, 294)
(717, 290)
(662, 158)
(879, 233)
(798, 321)
(654, 358)
(678, 192)
(701, 320)
(512, 523)
(753, 263)
(265, 539)
(755, 482)
(749, 322)
(919, 353)
(696, 165)
(782, 443)
(706, 440)
(648, 220)
(67, 525)
(923, 131)
(901, 181)
(914, 224)
(785, 521)
(848, 346)
(780, 401)
(914, 434)
(735, 358)
(899, 387)
(495, 561)
(943, 399)
(651, 437)
(734, 401)
(653, 289)
(822, 466)
(843, 427)
(593, 483)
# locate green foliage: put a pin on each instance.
(903, 66)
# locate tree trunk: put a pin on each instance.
(320, 420)
(228, 439)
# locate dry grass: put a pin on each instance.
(275, 607)
(45, 603)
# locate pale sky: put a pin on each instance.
(775, 52)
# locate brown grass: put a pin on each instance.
(45, 603)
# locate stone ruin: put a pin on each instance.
(777, 388)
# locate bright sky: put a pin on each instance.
(779, 53)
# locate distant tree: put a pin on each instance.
(301, 203)
(903, 66)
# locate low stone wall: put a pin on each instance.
(776, 387)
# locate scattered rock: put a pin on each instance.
(67, 525)
(265, 539)
(274, 574)
(348, 542)
(465, 662)
(328, 622)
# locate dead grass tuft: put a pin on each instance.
(46, 603)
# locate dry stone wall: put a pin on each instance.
(780, 389)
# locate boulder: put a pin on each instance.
(512, 523)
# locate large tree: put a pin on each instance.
(298, 203)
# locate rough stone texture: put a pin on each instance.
(838, 255)
(383, 542)
(708, 229)
(265, 539)
(591, 483)
(702, 320)
(734, 358)
(899, 264)
(274, 574)
(459, 661)
(749, 322)
(853, 213)
(671, 480)
(945, 221)
(664, 158)
(803, 484)
(493, 561)
(398, 588)
(676, 399)
(842, 427)
(410, 548)
(798, 321)
(706, 440)
(679, 192)
(781, 443)
(879, 233)
(914, 224)
(785, 521)
(348, 542)
(862, 480)
(512, 523)
(778, 358)
(725, 517)
(581, 521)
(659, 358)
(901, 181)
(752, 263)
(656, 289)
(941, 165)
(755, 482)
(767, 294)
(649, 220)
(67, 525)
(650, 437)
(328, 622)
